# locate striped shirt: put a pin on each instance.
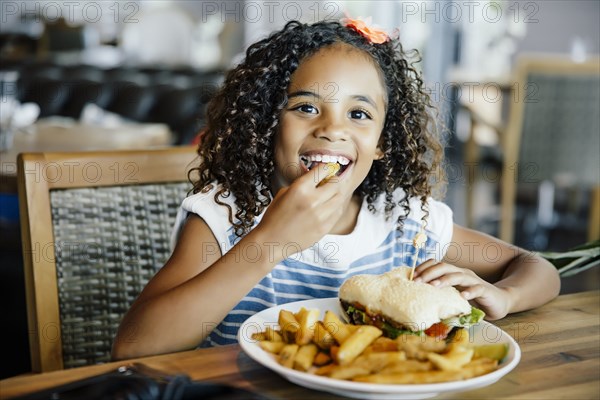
(373, 247)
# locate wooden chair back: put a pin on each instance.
(95, 227)
(552, 129)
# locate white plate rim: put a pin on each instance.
(252, 349)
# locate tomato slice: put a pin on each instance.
(439, 330)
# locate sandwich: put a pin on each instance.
(397, 305)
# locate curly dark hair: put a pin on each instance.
(237, 147)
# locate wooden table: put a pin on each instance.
(560, 359)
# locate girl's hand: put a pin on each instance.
(302, 213)
(494, 301)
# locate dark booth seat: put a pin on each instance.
(176, 97)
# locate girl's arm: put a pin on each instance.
(198, 286)
(190, 295)
(497, 277)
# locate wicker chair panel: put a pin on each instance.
(560, 129)
(108, 242)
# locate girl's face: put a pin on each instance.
(335, 113)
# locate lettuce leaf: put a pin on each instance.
(359, 317)
(392, 333)
(465, 321)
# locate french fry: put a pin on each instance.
(289, 326)
(424, 343)
(305, 356)
(307, 321)
(348, 371)
(407, 366)
(418, 347)
(412, 377)
(333, 352)
(461, 337)
(453, 360)
(322, 359)
(376, 361)
(325, 370)
(478, 367)
(338, 350)
(356, 343)
(273, 335)
(271, 347)
(322, 337)
(269, 334)
(299, 313)
(382, 344)
(336, 327)
(288, 354)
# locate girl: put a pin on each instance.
(264, 227)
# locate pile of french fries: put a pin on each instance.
(360, 353)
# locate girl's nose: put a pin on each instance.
(331, 130)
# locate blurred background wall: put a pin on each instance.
(540, 26)
(464, 46)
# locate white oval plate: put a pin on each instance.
(482, 333)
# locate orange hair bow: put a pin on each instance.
(373, 35)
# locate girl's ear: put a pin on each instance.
(378, 152)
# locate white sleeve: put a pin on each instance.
(215, 215)
(441, 224)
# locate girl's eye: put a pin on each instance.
(306, 108)
(360, 114)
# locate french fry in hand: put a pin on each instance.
(356, 343)
(332, 169)
(336, 327)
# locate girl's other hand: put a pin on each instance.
(302, 213)
(494, 301)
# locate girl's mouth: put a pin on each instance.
(323, 161)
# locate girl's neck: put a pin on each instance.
(347, 221)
